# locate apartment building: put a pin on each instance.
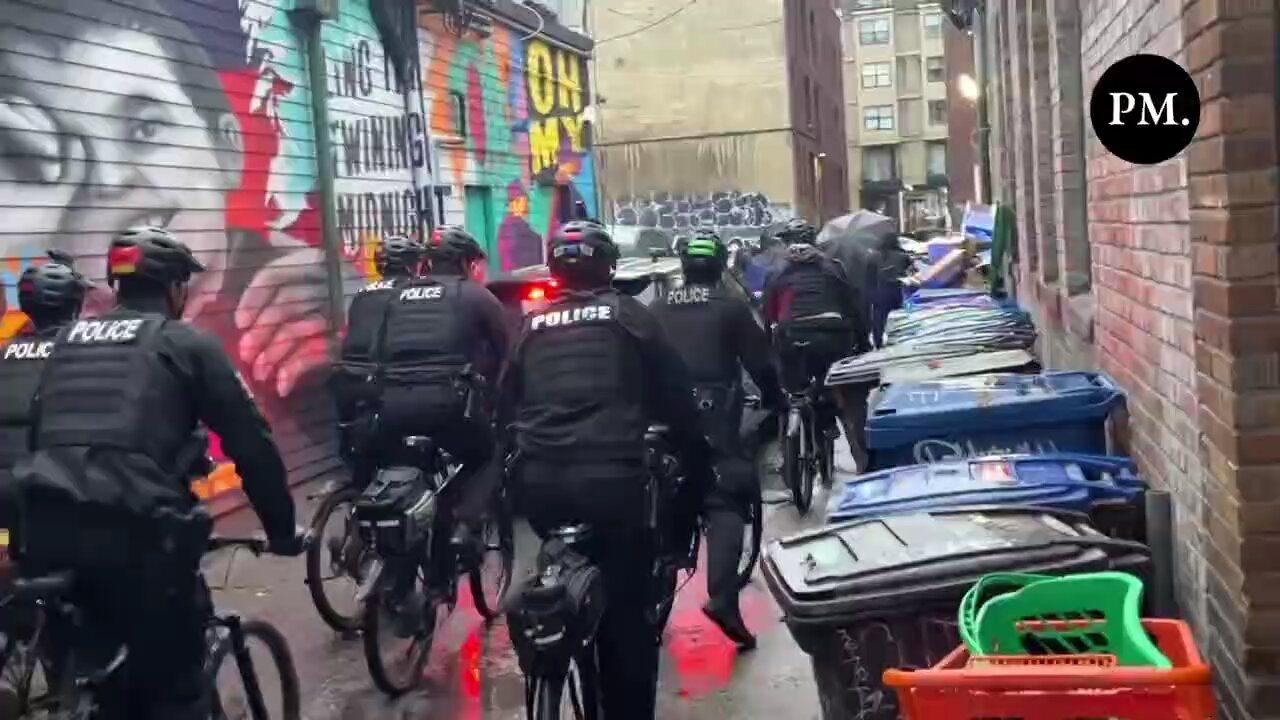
(895, 79)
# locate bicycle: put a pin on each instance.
(554, 627)
(414, 572)
(70, 696)
(806, 452)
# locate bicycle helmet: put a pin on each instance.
(153, 254)
(582, 252)
(798, 231)
(398, 252)
(55, 288)
(453, 242)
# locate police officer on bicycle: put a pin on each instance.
(717, 337)
(399, 260)
(50, 295)
(811, 300)
(106, 492)
(589, 374)
(442, 345)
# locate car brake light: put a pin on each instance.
(536, 293)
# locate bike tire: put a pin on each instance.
(372, 622)
(332, 617)
(550, 695)
(277, 649)
(490, 608)
(753, 542)
(795, 469)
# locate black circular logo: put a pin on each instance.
(1145, 109)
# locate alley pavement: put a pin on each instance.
(473, 672)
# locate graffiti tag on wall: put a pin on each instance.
(672, 211)
(557, 98)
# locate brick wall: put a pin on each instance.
(1168, 283)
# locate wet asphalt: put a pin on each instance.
(473, 672)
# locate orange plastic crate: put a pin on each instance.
(1078, 687)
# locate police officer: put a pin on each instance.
(441, 348)
(810, 299)
(106, 491)
(399, 260)
(50, 295)
(718, 336)
(589, 374)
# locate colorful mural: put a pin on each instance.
(508, 115)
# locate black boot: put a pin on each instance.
(730, 622)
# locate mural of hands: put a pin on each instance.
(283, 315)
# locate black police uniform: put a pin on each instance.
(352, 385)
(811, 300)
(435, 328)
(718, 335)
(22, 359)
(106, 492)
(588, 376)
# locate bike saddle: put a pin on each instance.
(48, 588)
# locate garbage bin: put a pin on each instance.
(867, 595)
(957, 418)
(1107, 488)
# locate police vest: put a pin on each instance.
(697, 319)
(582, 395)
(425, 327)
(108, 385)
(814, 290)
(364, 318)
(21, 362)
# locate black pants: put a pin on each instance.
(159, 614)
(438, 415)
(609, 498)
(801, 367)
(728, 502)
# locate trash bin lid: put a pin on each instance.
(1055, 483)
(900, 563)
(907, 412)
(924, 370)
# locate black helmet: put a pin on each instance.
(453, 242)
(581, 244)
(397, 251)
(54, 288)
(151, 253)
(796, 231)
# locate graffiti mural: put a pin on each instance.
(484, 120)
(676, 211)
(196, 116)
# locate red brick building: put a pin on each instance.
(1166, 278)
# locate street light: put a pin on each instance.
(967, 86)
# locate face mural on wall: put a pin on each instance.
(509, 113)
(195, 116)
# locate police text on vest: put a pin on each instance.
(689, 295)
(433, 292)
(28, 350)
(557, 318)
(380, 285)
(92, 332)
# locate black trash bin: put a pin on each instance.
(867, 595)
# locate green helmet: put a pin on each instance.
(705, 244)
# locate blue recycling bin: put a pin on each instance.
(1107, 488)
(994, 414)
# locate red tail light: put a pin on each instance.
(537, 292)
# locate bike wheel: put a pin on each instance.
(796, 468)
(235, 683)
(574, 697)
(491, 579)
(335, 561)
(752, 542)
(395, 649)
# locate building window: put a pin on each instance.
(813, 38)
(874, 31)
(878, 164)
(459, 103)
(876, 75)
(937, 112)
(933, 25)
(871, 4)
(808, 101)
(935, 69)
(936, 158)
(877, 117)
